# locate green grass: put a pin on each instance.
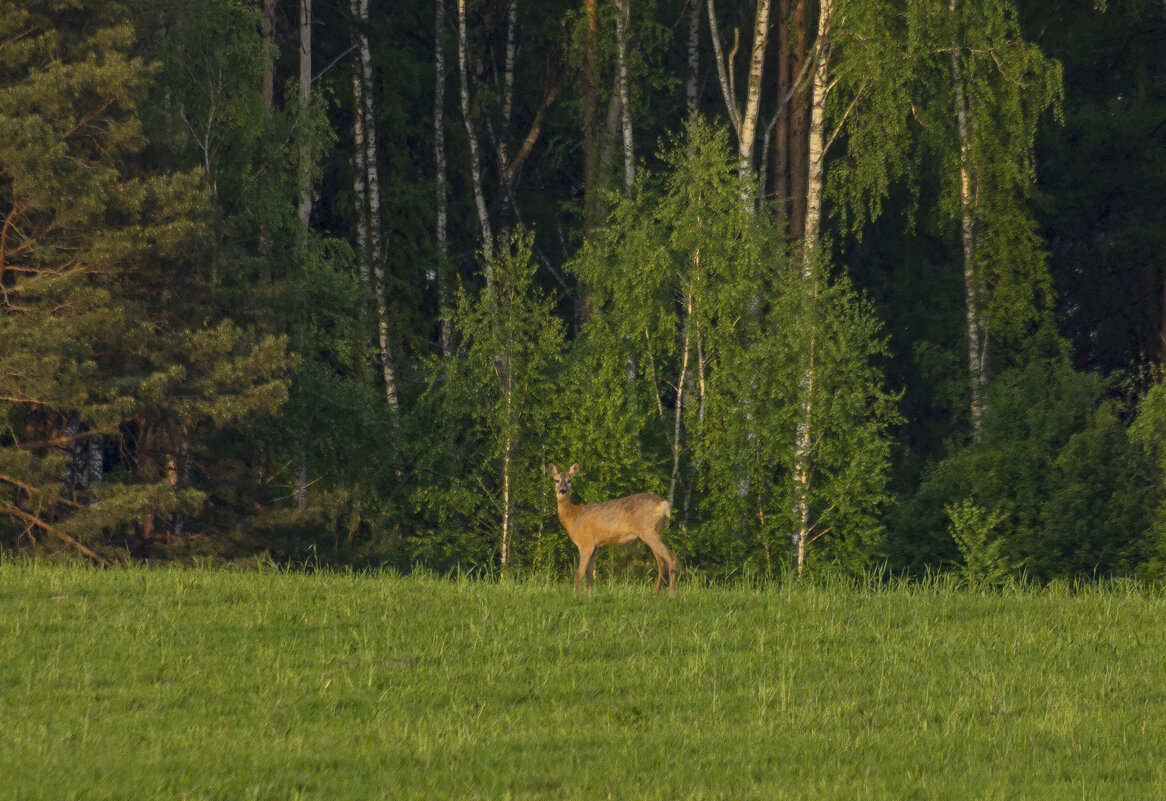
(159, 684)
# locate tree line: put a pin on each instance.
(851, 283)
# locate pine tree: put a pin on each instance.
(108, 333)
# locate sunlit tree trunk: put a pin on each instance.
(681, 381)
(507, 458)
(804, 438)
(753, 95)
(504, 362)
(977, 327)
(724, 67)
(744, 118)
(815, 149)
(623, 23)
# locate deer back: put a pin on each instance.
(618, 522)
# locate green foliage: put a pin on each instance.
(1149, 432)
(868, 109)
(496, 398)
(705, 328)
(187, 370)
(110, 335)
(1056, 457)
(1008, 87)
(976, 534)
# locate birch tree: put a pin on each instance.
(623, 20)
(743, 117)
(487, 112)
(994, 88)
(441, 217)
(472, 133)
(677, 277)
(366, 187)
(498, 392)
(859, 73)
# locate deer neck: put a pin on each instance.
(568, 511)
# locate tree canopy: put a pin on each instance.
(849, 282)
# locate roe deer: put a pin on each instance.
(615, 522)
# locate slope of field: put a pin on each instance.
(155, 684)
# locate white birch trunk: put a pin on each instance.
(511, 57)
(748, 137)
(368, 191)
(359, 172)
(724, 74)
(471, 132)
(817, 150)
(622, 24)
(977, 328)
(744, 119)
(804, 439)
(702, 395)
(441, 234)
(685, 345)
(507, 450)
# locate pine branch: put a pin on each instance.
(20, 514)
(57, 441)
(31, 490)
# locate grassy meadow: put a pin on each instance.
(202, 684)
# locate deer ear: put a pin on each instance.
(573, 470)
(552, 469)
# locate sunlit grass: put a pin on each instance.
(205, 685)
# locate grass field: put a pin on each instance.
(168, 684)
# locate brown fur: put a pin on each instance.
(617, 522)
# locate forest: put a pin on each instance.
(856, 285)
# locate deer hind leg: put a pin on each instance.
(664, 559)
(659, 572)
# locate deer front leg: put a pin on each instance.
(586, 558)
